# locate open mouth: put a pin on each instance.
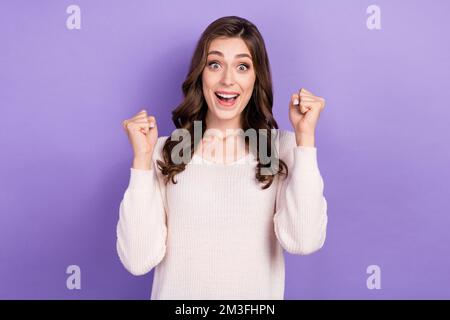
(227, 98)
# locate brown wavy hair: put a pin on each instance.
(256, 115)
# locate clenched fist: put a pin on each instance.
(304, 112)
(142, 133)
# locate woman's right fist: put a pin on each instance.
(142, 133)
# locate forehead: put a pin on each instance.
(229, 46)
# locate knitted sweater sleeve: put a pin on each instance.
(300, 218)
(142, 229)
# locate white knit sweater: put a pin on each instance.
(217, 234)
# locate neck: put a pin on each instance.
(223, 128)
(225, 137)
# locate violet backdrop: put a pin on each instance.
(383, 138)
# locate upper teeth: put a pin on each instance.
(227, 95)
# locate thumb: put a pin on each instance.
(295, 101)
(152, 129)
(152, 122)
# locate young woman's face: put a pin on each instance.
(228, 78)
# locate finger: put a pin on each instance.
(126, 123)
(304, 107)
(307, 95)
(141, 118)
(141, 121)
(306, 92)
(322, 101)
(141, 114)
(315, 104)
(141, 125)
(307, 98)
(295, 100)
(152, 121)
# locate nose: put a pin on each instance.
(227, 77)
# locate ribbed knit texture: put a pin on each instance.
(217, 234)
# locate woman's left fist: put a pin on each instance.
(304, 112)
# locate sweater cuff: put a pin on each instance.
(140, 179)
(305, 159)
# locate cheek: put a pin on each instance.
(207, 86)
(205, 80)
(249, 85)
(209, 79)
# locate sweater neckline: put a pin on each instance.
(238, 161)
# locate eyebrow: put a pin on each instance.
(240, 55)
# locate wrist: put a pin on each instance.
(305, 140)
(142, 163)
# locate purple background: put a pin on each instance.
(383, 138)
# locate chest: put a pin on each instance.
(228, 191)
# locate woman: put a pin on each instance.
(215, 226)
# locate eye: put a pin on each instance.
(245, 66)
(210, 64)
